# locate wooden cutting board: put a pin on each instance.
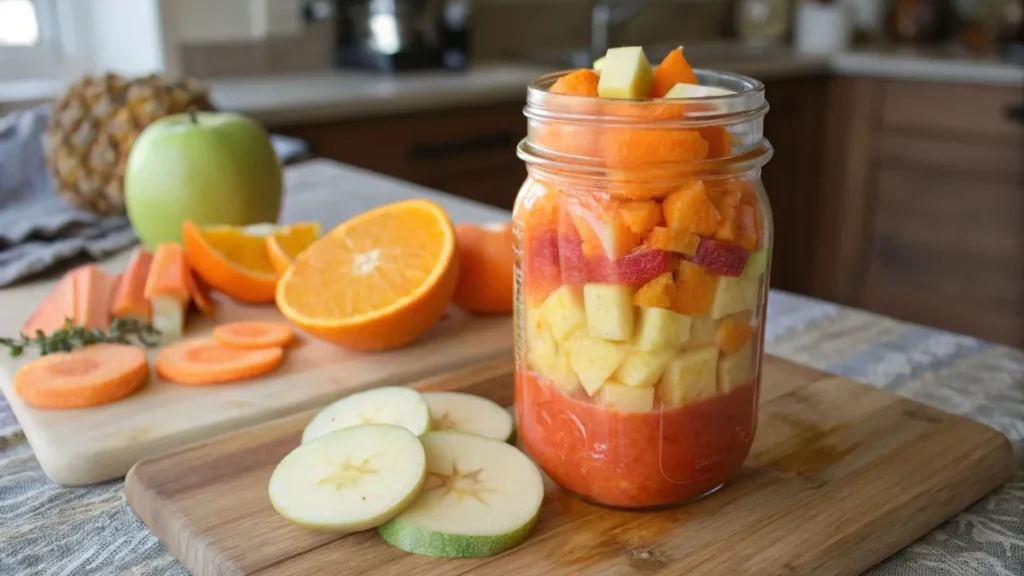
(841, 475)
(84, 446)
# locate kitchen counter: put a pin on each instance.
(48, 529)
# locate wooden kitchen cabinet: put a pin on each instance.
(468, 151)
(925, 221)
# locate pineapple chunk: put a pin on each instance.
(594, 360)
(625, 73)
(660, 328)
(684, 90)
(642, 369)
(690, 376)
(563, 311)
(702, 332)
(626, 399)
(547, 358)
(736, 369)
(735, 295)
(169, 316)
(609, 309)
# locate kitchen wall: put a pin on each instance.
(500, 28)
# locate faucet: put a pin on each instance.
(605, 13)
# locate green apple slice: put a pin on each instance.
(470, 414)
(481, 497)
(387, 405)
(351, 479)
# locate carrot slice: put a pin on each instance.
(56, 308)
(92, 297)
(253, 334)
(672, 70)
(88, 376)
(129, 299)
(202, 361)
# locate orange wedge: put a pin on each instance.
(288, 242)
(377, 281)
(232, 260)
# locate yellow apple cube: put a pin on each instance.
(563, 311)
(660, 328)
(642, 369)
(736, 369)
(702, 332)
(594, 360)
(625, 73)
(684, 90)
(690, 376)
(735, 295)
(609, 309)
(626, 399)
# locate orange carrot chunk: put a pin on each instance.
(130, 295)
(56, 308)
(733, 333)
(253, 334)
(695, 290)
(672, 70)
(202, 361)
(582, 82)
(691, 210)
(88, 376)
(167, 289)
(93, 288)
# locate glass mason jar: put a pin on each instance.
(643, 239)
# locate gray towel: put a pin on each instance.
(38, 228)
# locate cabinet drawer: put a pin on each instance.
(980, 159)
(965, 110)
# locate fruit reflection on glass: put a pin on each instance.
(204, 167)
(644, 249)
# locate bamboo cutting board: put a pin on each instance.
(841, 475)
(89, 445)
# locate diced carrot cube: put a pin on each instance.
(695, 290)
(658, 293)
(719, 141)
(582, 82)
(746, 227)
(672, 70)
(92, 297)
(673, 240)
(691, 210)
(726, 199)
(129, 299)
(733, 332)
(641, 216)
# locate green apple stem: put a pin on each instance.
(192, 114)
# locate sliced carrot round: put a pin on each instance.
(253, 334)
(202, 361)
(88, 376)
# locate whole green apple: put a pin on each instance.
(208, 167)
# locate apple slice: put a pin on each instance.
(470, 414)
(735, 295)
(684, 90)
(609, 309)
(690, 377)
(394, 405)
(541, 270)
(350, 479)
(604, 232)
(661, 329)
(636, 269)
(594, 360)
(626, 73)
(721, 257)
(481, 497)
(564, 313)
(736, 369)
(626, 399)
(756, 264)
(641, 369)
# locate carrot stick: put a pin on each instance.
(88, 376)
(253, 334)
(167, 289)
(92, 297)
(202, 361)
(129, 299)
(58, 306)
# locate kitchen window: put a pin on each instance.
(30, 40)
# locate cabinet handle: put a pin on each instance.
(454, 148)
(1015, 113)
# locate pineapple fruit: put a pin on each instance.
(660, 328)
(690, 376)
(735, 369)
(563, 311)
(594, 360)
(626, 398)
(545, 354)
(93, 126)
(609, 311)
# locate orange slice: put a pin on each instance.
(288, 242)
(377, 281)
(232, 260)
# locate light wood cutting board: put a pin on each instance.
(841, 475)
(84, 446)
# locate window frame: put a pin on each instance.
(59, 46)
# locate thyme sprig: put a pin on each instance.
(122, 331)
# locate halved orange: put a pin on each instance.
(232, 260)
(288, 242)
(377, 281)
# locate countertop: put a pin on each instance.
(338, 94)
(46, 529)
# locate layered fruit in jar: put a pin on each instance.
(639, 317)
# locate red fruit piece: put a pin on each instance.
(571, 259)
(695, 290)
(690, 209)
(541, 269)
(721, 258)
(635, 269)
(657, 293)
